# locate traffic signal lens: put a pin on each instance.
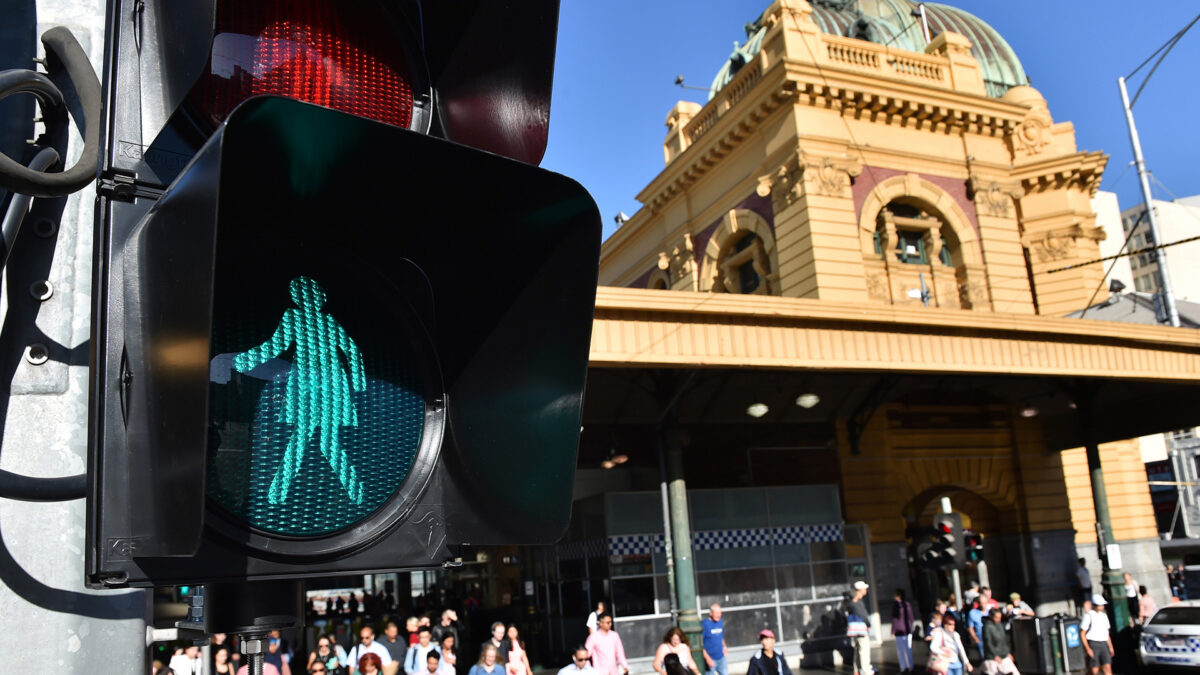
(346, 55)
(317, 408)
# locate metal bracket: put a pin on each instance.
(125, 188)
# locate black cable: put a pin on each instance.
(19, 205)
(21, 81)
(29, 489)
(1168, 45)
(62, 48)
(16, 486)
(1128, 238)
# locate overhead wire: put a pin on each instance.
(1165, 49)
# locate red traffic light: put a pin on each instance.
(349, 56)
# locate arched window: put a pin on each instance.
(743, 266)
(913, 236)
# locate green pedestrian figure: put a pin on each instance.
(317, 390)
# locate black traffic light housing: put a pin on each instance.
(973, 546)
(473, 273)
(945, 550)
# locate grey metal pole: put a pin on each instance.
(1148, 200)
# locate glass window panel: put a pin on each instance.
(632, 565)
(574, 598)
(828, 550)
(742, 625)
(641, 637)
(830, 579)
(804, 505)
(662, 590)
(733, 558)
(633, 597)
(571, 569)
(733, 588)
(795, 582)
(819, 624)
(634, 513)
(728, 509)
(792, 553)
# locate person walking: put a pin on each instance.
(497, 642)
(856, 616)
(1131, 597)
(903, 625)
(713, 630)
(327, 657)
(1097, 633)
(946, 649)
(605, 648)
(674, 642)
(446, 627)
(449, 663)
(395, 645)
(997, 654)
(1083, 582)
(187, 662)
(487, 664)
(518, 660)
(1146, 606)
(578, 666)
(767, 661)
(368, 645)
(975, 626)
(594, 617)
(414, 658)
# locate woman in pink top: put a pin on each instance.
(675, 642)
(518, 662)
(605, 648)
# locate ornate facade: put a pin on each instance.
(912, 225)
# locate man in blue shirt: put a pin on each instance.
(975, 626)
(713, 629)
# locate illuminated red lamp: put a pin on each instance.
(347, 55)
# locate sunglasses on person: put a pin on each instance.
(579, 659)
(314, 671)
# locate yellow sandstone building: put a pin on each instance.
(843, 300)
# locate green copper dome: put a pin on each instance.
(891, 22)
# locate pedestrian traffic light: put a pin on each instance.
(973, 544)
(326, 338)
(945, 550)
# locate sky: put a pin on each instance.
(617, 61)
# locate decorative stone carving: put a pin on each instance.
(972, 294)
(877, 286)
(1060, 243)
(994, 197)
(782, 185)
(680, 261)
(825, 176)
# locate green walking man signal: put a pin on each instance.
(318, 394)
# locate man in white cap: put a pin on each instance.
(856, 611)
(1098, 637)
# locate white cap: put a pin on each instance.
(860, 586)
(1098, 600)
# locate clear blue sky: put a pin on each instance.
(617, 61)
